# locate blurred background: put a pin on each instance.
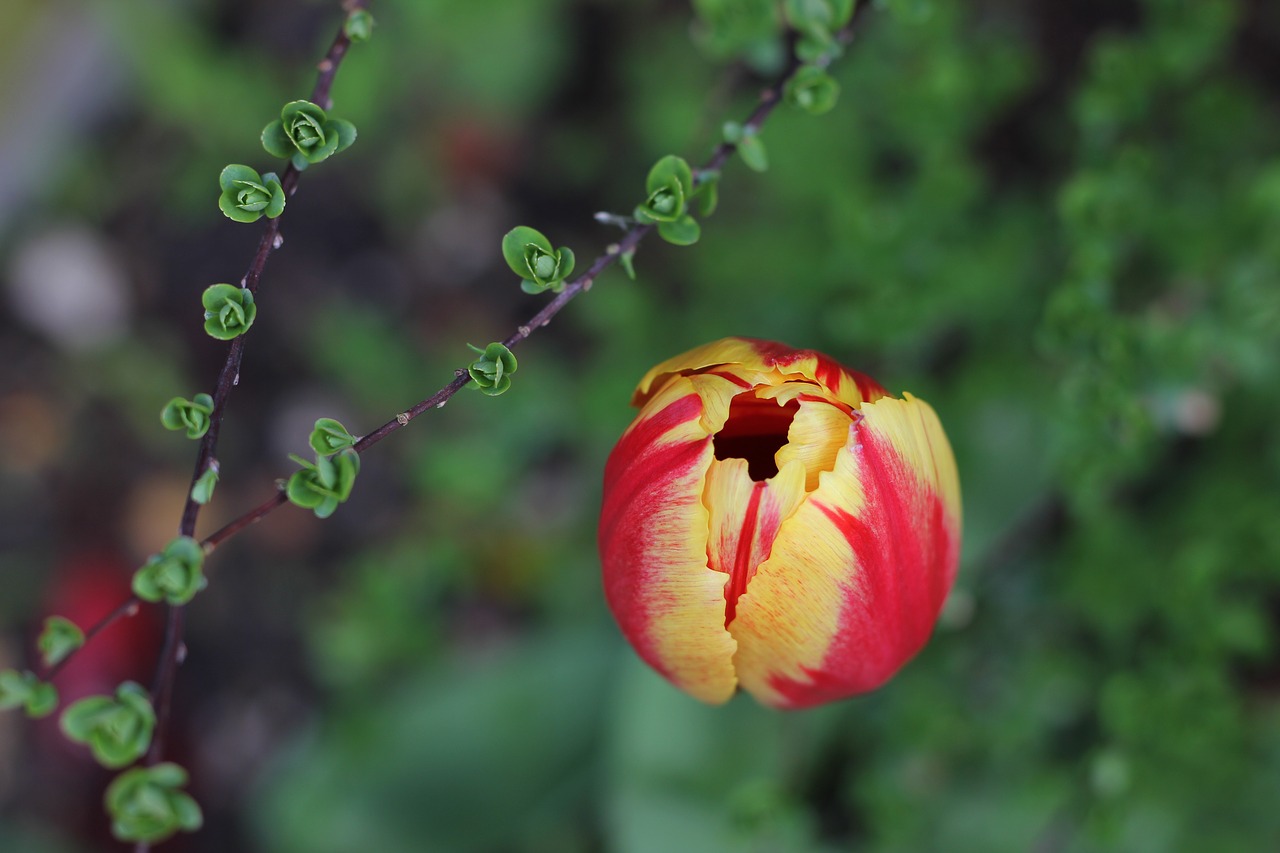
(1058, 222)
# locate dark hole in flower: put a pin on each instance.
(755, 431)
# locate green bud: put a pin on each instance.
(812, 90)
(146, 804)
(817, 22)
(190, 415)
(229, 311)
(529, 255)
(491, 372)
(248, 196)
(59, 639)
(202, 488)
(329, 436)
(669, 186)
(359, 25)
(116, 730)
(306, 135)
(174, 575)
(24, 690)
(321, 485)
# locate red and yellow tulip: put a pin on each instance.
(776, 522)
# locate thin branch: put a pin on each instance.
(128, 607)
(172, 650)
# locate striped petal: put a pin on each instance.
(859, 572)
(653, 538)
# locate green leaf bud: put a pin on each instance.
(146, 804)
(359, 25)
(229, 311)
(669, 186)
(190, 415)
(812, 90)
(529, 255)
(491, 372)
(329, 436)
(24, 690)
(116, 730)
(248, 196)
(174, 575)
(202, 488)
(306, 135)
(321, 485)
(59, 638)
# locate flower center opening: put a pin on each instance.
(755, 431)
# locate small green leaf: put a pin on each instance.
(667, 169)
(359, 25)
(683, 232)
(146, 804)
(59, 639)
(491, 372)
(174, 575)
(733, 132)
(752, 151)
(116, 730)
(189, 415)
(328, 437)
(812, 90)
(229, 311)
(275, 141)
(627, 259)
(202, 489)
(707, 195)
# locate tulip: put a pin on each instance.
(776, 522)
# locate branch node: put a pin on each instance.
(402, 418)
(525, 331)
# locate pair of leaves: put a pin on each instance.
(174, 575)
(305, 134)
(491, 372)
(247, 196)
(540, 267)
(321, 485)
(25, 690)
(818, 22)
(116, 729)
(671, 193)
(147, 805)
(229, 311)
(189, 415)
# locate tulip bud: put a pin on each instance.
(776, 522)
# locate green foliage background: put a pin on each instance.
(1058, 223)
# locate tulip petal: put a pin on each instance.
(653, 543)
(766, 359)
(817, 433)
(745, 517)
(858, 574)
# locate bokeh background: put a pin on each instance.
(1059, 222)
